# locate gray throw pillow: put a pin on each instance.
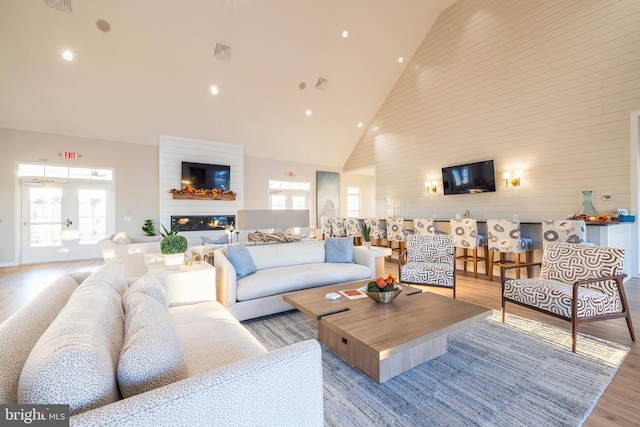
(338, 249)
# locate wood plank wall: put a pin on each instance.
(546, 87)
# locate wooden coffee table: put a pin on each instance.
(385, 340)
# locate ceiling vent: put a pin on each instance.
(322, 83)
(222, 52)
(63, 5)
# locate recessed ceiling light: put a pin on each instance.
(67, 55)
(400, 59)
(360, 124)
(375, 128)
(345, 34)
(103, 25)
(308, 113)
(214, 90)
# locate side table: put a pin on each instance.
(190, 283)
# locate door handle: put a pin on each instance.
(66, 222)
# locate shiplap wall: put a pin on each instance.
(542, 86)
(172, 152)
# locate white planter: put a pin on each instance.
(366, 244)
(173, 261)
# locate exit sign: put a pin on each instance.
(70, 155)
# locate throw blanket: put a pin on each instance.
(259, 236)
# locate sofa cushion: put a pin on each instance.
(148, 284)
(122, 238)
(20, 332)
(284, 254)
(274, 281)
(338, 249)
(74, 361)
(224, 342)
(151, 356)
(241, 260)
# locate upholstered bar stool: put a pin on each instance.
(424, 226)
(352, 228)
(505, 238)
(337, 227)
(466, 237)
(376, 232)
(396, 233)
(325, 223)
(563, 231)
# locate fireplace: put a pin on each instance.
(202, 222)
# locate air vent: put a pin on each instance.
(63, 5)
(222, 52)
(322, 84)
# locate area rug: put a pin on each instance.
(521, 373)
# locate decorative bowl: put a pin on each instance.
(383, 297)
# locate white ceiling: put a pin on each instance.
(151, 74)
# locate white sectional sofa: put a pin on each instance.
(119, 355)
(282, 268)
(130, 250)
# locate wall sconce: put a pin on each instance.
(432, 186)
(515, 181)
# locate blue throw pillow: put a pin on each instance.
(338, 249)
(241, 260)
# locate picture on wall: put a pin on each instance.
(328, 194)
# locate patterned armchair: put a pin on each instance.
(428, 261)
(578, 283)
(376, 232)
(424, 226)
(337, 227)
(465, 236)
(563, 231)
(505, 238)
(352, 228)
(325, 223)
(396, 233)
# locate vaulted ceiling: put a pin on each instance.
(145, 68)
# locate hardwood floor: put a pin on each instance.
(618, 406)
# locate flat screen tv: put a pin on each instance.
(476, 177)
(200, 175)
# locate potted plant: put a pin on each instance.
(365, 230)
(173, 247)
(148, 228)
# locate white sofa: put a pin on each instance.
(130, 250)
(89, 341)
(282, 268)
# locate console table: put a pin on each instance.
(188, 284)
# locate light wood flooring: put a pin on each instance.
(618, 406)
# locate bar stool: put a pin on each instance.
(563, 231)
(325, 223)
(465, 236)
(396, 233)
(424, 226)
(337, 227)
(352, 228)
(505, 238)
(376, 232)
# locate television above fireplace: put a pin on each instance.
(201, 175)
(478, 177)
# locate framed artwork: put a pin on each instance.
(328, 194)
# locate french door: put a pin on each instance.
(63, 219)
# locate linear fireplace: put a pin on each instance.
(202, 222)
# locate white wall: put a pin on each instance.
(546, 87)
(136, 178)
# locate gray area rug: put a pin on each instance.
(521, 373)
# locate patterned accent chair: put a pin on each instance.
(396, 233)
(325, 223)
(424, 226)
(505, 238)
(466, 237)
(578, 283)
(563, 231)
(337, 227)
(428, 261)
(377, 232)
(352, 228)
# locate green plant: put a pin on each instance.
(366, 233)
(148, 228)
(172, 242)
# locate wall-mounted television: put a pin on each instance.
(468, 178)
(200, 175)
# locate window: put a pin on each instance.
(289, 195)
(278, 202)
(353, 202)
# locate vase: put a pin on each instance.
(587, 207)
(173, 261)
(366, 244)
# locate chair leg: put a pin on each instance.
(516, 260)
(475, 263)
(486, 259)
(574, 333)
(465, 252)
(490, 266)
(529, 258)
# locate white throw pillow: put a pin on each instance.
(122, 238)
(152, 355)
